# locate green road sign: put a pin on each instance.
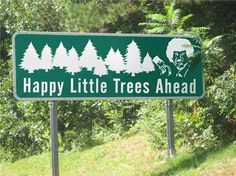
(60, 66)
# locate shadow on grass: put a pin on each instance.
(186, 161)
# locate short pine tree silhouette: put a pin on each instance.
(117, 63)
(61, 57)
(110, 57)
(89, 56)
(73, 62)
(46, 58)
(148, 65)
(100, 68)
(133, 59)
(30, 60)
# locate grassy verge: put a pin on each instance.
(128, 157)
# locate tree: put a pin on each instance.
(89, 56)
(73, 62)
(100, 68)
(117, 63)
(110, 57)
(46, 58)
(60, 57)
(148, 65)
(170, 22)
(133, 59)
(30, 61)
(111, 16)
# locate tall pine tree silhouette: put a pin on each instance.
(89, 56)
(100, 68)
(110, 57)
(148, 65)
(73, 62)
(133, 59)
(30, 60)
(61, 57)
(46, 58)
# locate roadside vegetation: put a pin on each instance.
(129, 156)
(205, 129)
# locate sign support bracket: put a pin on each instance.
(54, 138)
(170, 128)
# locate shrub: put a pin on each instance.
(24, 125)
(190, 130)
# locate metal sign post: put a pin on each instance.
(170, 128)
(54, 138)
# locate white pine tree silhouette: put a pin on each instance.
(89, 56)
(46, 58)
(110, 57)
(148, 65)
(73, 62)
(30, 60)
(133, 59)
(100, 68)
(60, 57)
(117, 63)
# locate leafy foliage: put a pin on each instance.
(110, 17)
(152, 123)
(170, 22)
(21, 16)
(219, 55)
(190, 128)
(24, 126)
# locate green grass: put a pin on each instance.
(129, 157)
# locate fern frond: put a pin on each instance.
(170, 10)
(150, 25)
(143, 24)
(183, 20)
(197, 38)
(199, 29)
(156, 30)
(157, 17)
(176, 13)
